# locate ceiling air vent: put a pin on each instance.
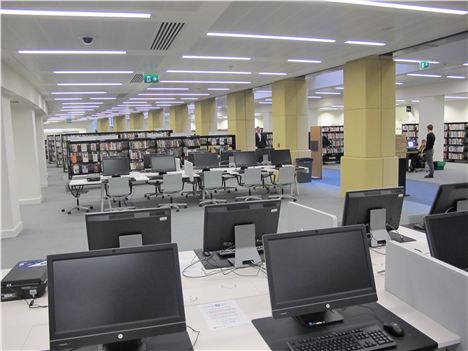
(137, 78)
(167, 32)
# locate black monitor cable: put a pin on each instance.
(196, 338)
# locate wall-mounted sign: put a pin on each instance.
(424, 65)
(151, 78)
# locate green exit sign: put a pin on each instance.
(424, 65)
(151, 78)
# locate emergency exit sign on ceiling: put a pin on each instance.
(151, 78)
(424, 65)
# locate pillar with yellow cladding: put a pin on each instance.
(155, 119)
(241, 118)
(119, 123)
(290, 116)
(205, 116)
(136, 121)
(178, 119)
(369, 159)
(103, 125)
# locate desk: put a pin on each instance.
(27, 329)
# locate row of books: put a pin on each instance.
(332, 129)
(451, 134)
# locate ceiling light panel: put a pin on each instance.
(87, 84)
(272, 73)
(67, 99)
(174, 94)
(233, 58)
(271, 37)
(103, 98)
(23, 12)
(205, 72)
(327, 93)
(82, 103)
(78, 92)
(205, 81)
(73, 52)
(304, 61)
(424, 75)
(361, 42)
(415, 61)
(181, 89)
(93, 72)
(456, 77)
(218, 89)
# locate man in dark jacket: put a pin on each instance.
(260, 141)
(429, 151)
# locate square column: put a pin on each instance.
(41, 150)
(155, 119)
(369, 159)
(119, 123)
(10, 222)
(205, 116)
(290, 119)
(103, 125)
(241, 118)
(26, 155)
(178, 119)
(431, 111)
(136, 121)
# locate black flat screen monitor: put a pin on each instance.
(114, 295)
(245, 158)
(205, 160)
(147, 226)
(448, 196)
(225, 156)
(163, 163)
(447, 235)
(147, 160)
(220, 221)
(115, 166)
(280, 157)
(358, 205)
(261, 153)
(312, 272)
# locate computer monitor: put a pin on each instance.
(147, 160)
(311, 273)
(411, 144)
(378, 209)
(115, 166)
(450, 198)
(147, 226)
(263, 155)
(447, 235)
(280, 157)
(163, 163)
(245, 158)
(221, 220)
(114, 297)
(225, 156)
(205, 160)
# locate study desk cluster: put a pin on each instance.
(27, 329)
(78, 183)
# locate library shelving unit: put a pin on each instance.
(46, 151)
(51, 148)
(217, 143)
(58, 150)
(455, 135)
(410, 131)
(333, 152)
(269, 139)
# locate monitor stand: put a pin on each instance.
(378, 227)
(319, 318)
(130, 240)
(462, 205)
(129, 345)
(246, 251)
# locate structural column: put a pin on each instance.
(119, 123)
(178, 119)
(289, 116)
(103, 125)
(369, 159)
(136, 121)
(205, 116)
(41, 150)
(431, 111)
(155, 119)
(10, 222)
(241, 118)
(27, 163)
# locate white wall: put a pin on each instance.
(86, 125)
(456, 111)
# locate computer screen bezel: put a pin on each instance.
(115, 158)
(246, 165)
(280, 152)
(97, 336)
(441, 192)
(154, 169)
(198, 156)
(160, 238)
(291, 309)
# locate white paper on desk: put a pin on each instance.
(223, 315)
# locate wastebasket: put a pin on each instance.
(304, 175)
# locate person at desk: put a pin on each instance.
(260, 141)
(429, 151)
(419, 157)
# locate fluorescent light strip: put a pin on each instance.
(402, 6)
(424, 75)
(264, 102)
(73, 52)
(189, 99)
(77, 92)
(264, 91)
(414, 100)
(82, 103)
(103, 98)
(175, 94)
(415, 61)
(133, 102)
(87, 84)
(360, 42)
(167, 89)
(73, 13)
(399, 100)
(327, 93)
(274, 37)
(304, 61)
(456, 97)
(272, 73)
(134, 105)
(314, 97)
(399, 83)
(328, 108)
(219, 89)
(465, 64)
(205, 81)
(205, 72)
(66, 99)
(93, 72)
(216, 57)
(150, 98)
(456, 77)
(339, 88)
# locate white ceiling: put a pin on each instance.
(399, 29)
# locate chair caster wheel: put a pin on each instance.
(185, 206)
(186, 196)
(229, 191)
(295, 200)
(177, 210)
(69, 212)
(235, 189)
(87, 211)
(63, 210)
(91, 207)
(77, 209)
(200, 205)
(216, 191)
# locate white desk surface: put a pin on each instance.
(27, 329)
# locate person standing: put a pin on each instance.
(260, 141)
(429, 151)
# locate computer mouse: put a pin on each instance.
(394, 329)
(206, 253)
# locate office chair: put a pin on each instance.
(285, 178)
(172, 184)
(118, 189)
(251, 178)
(188, 169)
(212, 181)
(76, 192)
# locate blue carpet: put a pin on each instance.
(330, 177)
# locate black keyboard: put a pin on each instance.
(232, 252)
(155, 177)
(367, 338)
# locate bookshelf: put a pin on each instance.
(217, 143)
(58, 150)
(269, 139)
(410, 131)
(46, 151)
(51, 148)
(455, 141)
(333, 152)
